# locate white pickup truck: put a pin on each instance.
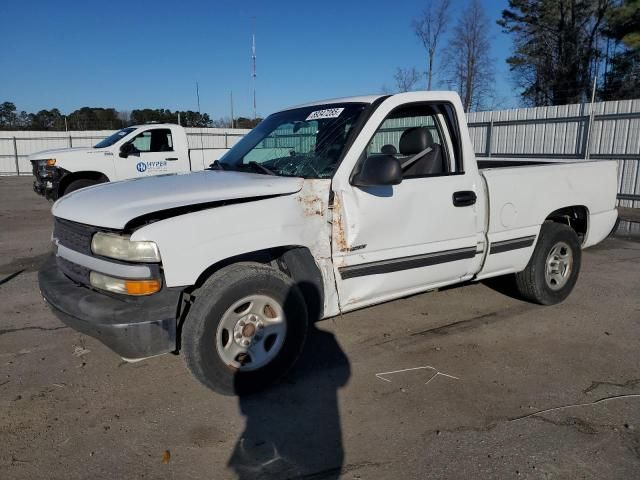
(133, 152)
(321, 209)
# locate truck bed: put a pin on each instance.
(521, 198)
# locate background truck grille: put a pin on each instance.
(73, 235)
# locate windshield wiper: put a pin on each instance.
(262, 168)
(216, 165)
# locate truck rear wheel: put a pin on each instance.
(553, 269)
(245, 329)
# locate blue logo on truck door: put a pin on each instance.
(141, 167)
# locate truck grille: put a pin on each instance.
(73, 235)
(75, 272)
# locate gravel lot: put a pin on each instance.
(512, 390)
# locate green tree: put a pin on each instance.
(243, 122)
(7, 115)
(555, 47)
(46, 120)
(195, 119)
(94, 118)
(622, 75)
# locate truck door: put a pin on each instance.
(153, 154)
(390, 241)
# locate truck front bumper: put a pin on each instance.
(133, 327)
(46, 181)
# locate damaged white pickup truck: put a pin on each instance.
(321, 209)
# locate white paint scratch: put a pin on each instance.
(574, 405)
(437, 373)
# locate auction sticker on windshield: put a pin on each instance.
(327, 113)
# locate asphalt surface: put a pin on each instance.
(496, 387)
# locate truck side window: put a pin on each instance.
(414, 135)
(157, 140)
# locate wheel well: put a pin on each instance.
(577, 217)
(71, 177)
(295, 261)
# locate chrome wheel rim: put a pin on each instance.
(251, 332)
(559, 266)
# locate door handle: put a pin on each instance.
(464, 198)
(172, 159)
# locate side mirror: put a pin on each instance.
(378, 170)
(127, 149)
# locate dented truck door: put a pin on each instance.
(393, 240)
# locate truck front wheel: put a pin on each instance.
(245, 329)
(553, 269)
(78, 184)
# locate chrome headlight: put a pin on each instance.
(121, 247)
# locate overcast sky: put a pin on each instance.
(128, 55)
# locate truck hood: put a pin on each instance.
(60, 152)
(113, 205)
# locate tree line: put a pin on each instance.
(98, 118)
(561, 48)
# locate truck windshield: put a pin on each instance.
(110, 140)
(303, 142)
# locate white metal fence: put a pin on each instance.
(560, 132)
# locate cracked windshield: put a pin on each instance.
(304, 142)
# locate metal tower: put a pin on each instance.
(253, 71)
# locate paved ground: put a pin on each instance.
(69, 408)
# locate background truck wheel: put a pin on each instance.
(245, 329)
(553, 269)
(78, 184)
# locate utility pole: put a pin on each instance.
(199, 120)
(587, 153)
(253, 65)
(232, 121)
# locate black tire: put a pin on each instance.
(532, 283)
(218, 294)
(78, 184)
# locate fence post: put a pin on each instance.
(226, 140)
(489, 133)
(15, 155)
(70, 142)
(587, 124)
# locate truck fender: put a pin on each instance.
(300, 265)
(575, 216)
(295, 261)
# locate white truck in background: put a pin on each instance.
(321, 209)
(133, 152)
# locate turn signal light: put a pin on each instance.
(125, 286)
(142, 287)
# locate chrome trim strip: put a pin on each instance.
(103, 266)
(512, 244)
(406, 263)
